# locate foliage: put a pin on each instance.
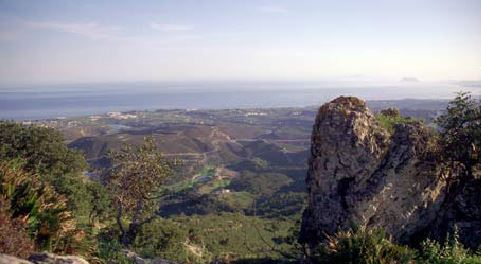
(460, 134)
(389, 118)
(26, 197)
(281, 204)
(43, 151)
(166, 239)
(363, 246)
(42, 148)
(391, 112)
(100, 201)
(259, 183)
(452, 252)
(14, 237)
(134, 182)
(374, 246)
(110, 249)
(224, 237)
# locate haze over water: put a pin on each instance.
(88, 99)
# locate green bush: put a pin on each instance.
(374, 246)
(362, 246)
(165, 239)
(110, 249)
(388, 119)
(50, 225)
(451, 252)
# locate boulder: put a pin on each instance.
(42, 258)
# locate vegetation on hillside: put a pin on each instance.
(390, 117)
(39, 216)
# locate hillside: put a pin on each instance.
(236, 190)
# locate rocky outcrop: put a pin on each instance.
(50, 258)
(461, 210)
(6, 259)
(360, 174)
(42, 258)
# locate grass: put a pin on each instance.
(388, 122)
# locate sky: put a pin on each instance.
(64, 41)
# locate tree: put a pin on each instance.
(134, 181)
(460, 132)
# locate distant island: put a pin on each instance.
(410, 79)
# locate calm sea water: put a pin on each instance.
(78, 100)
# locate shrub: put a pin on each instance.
(14, 237)
(166, 239)
(452, 252)
(389, 118)
(110, 249)
(362, 246)
(26, 197)
(391, 112)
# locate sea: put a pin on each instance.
(62, 101)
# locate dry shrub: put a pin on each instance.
(32, 206)
(14, 238)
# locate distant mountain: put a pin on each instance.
(409, 79)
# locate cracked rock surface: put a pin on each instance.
(362, 175)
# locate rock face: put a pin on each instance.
(362, 175)
(50, 258)
(461, 210)
(6, 259)
(42, 258)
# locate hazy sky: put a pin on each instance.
(95, 41)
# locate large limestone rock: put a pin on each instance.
(461, 210)
(42, 258)
(6, 259)
(50, 258)
(362, 175)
